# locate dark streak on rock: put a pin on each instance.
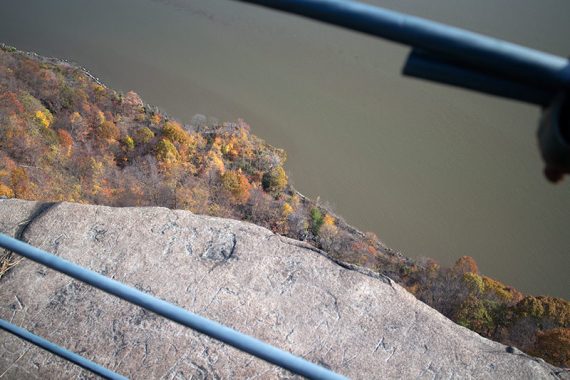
(40, 210)
(37, 213)
(345, 265)
(221, 248)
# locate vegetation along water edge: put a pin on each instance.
(65, 136)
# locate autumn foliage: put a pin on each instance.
(66, 137)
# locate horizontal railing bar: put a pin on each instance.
(491, 54)
(177, 314)
(60, 351)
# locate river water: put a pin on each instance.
(432, 170)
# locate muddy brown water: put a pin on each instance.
(432, 170)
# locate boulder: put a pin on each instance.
(279, 290)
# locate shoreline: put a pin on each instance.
(459, 292)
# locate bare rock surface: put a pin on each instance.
(241, 275)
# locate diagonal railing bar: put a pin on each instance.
(458, 57)
(174, 313)
(60, 351)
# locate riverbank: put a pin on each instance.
(67, 137)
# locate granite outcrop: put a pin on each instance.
(274, 288)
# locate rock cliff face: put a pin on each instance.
(276, 289)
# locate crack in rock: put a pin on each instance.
(97, 233)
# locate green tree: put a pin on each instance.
(174, 132)
(275, 180)
(166, 151)
(317, 220)
(129, 143)
(143, 135)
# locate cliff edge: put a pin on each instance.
(274, 288)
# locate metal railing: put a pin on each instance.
(174, 313)
(59, 351)
(440, 53)
(485, 55)
(457, 57)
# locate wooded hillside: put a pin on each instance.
(64, 136)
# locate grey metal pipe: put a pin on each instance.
(174, 313)
(60, 351)
(492, 55)
(423, 65)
